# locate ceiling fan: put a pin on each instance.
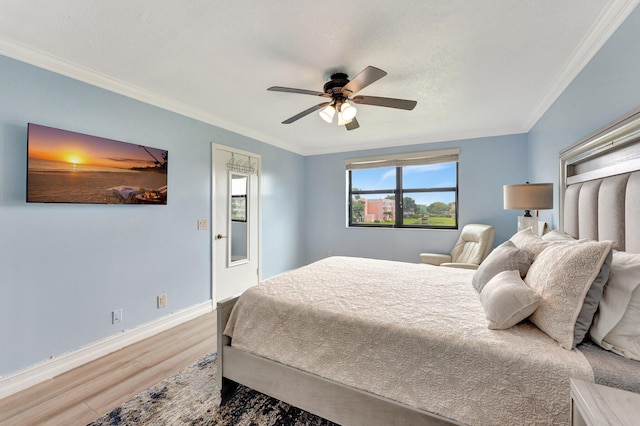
(341, 90)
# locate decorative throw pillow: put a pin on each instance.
(507, 300)
(563, 274)
(591, 300)
(505, 257)
(624, 279)
(526, 240)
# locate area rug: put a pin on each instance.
(191, 397)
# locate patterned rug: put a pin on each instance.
(191, 397)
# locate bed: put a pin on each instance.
(362, 341)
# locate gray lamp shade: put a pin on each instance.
(528, 196)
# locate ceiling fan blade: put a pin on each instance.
(366, 77)
(300, 91)
(305, 112)
(352, 125)
(385, 102)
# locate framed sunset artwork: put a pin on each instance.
(70, 167)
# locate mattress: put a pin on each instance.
(413, 333)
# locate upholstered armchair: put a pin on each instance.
(473, 246)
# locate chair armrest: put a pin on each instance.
(461, 265)
(434, 259)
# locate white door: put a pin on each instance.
(235, 222)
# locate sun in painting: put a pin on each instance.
(74, 160)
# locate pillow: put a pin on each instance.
(505, 257)
(563, 274)
(507, 300)
(624, 279)
(591, 300)
(624, 339)
(526, 240)
(557, 235)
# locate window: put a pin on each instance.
(418, 190)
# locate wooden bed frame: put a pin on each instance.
(610, 151)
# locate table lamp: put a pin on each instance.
(527, 197)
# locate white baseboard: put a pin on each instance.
(48, 369)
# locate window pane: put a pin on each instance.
(372, 179)
(429, 196)
(373, 209)
(442, 175)
(429, 209)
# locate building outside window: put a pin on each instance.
(414, 190)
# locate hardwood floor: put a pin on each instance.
(91, 390)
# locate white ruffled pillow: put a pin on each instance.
(616, 325)
(624, 339)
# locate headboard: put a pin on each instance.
(600, 185)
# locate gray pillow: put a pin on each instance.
(527, 240)
(505, 257)
(591, 301)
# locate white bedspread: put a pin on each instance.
(413, 333)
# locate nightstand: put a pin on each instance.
(593, 404)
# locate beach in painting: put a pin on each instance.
(86, 187)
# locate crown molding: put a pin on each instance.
(607, 23)
(460, 136)
(44, 60)
(610, 19)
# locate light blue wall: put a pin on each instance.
(484, 166)
(64, 268)
(606, 89)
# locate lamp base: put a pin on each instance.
(525, 222)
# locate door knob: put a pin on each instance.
(220, 236)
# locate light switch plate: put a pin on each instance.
(116, 316)
(202, 225)
(162, 301)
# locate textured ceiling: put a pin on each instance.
(476, 68)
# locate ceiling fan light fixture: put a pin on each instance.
(328, 113)
(338, 91)
(347, 112)
(342, 121)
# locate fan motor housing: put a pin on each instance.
(335, 85)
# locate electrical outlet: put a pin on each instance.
(116, 316)
(202, 225)
(162, 301)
